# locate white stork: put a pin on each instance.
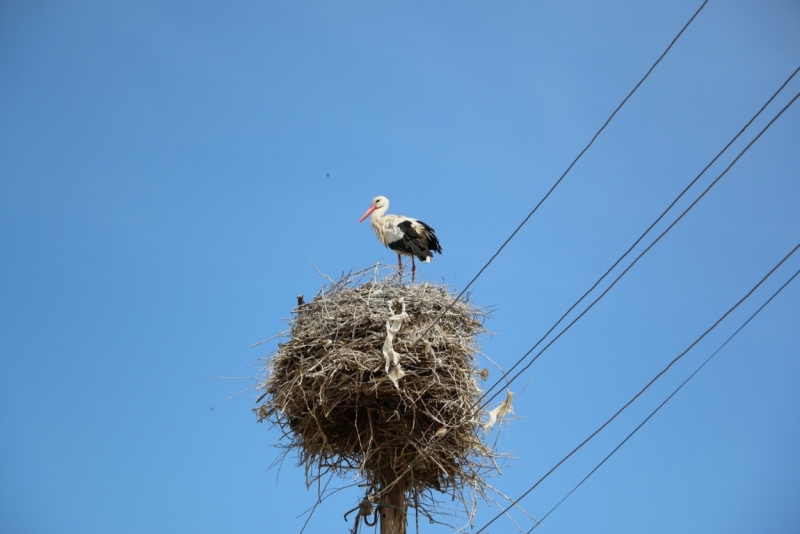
(404, 235)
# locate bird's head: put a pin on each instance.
(380, 204)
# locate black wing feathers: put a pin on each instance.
(433, 242)
(414, 243)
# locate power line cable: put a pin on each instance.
(617, 279)
(639, 239)
(569, 168)
(775, 294)
(625, 406)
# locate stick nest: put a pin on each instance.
(328, 391)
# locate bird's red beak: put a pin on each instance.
(370, 210)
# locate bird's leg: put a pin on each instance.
(400, 267)
(413, 269)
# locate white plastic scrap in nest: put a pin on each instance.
(393, 369)
(504, 408)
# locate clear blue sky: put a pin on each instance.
(164, 187)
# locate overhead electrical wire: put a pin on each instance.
(657, 239)
(641, 391)
(569, 168)
(652, 225)
(646, 419)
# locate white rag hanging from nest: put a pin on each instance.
(503, 409)
(393, 369)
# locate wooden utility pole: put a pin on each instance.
(392, 507)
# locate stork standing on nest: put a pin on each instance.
(404, 235)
